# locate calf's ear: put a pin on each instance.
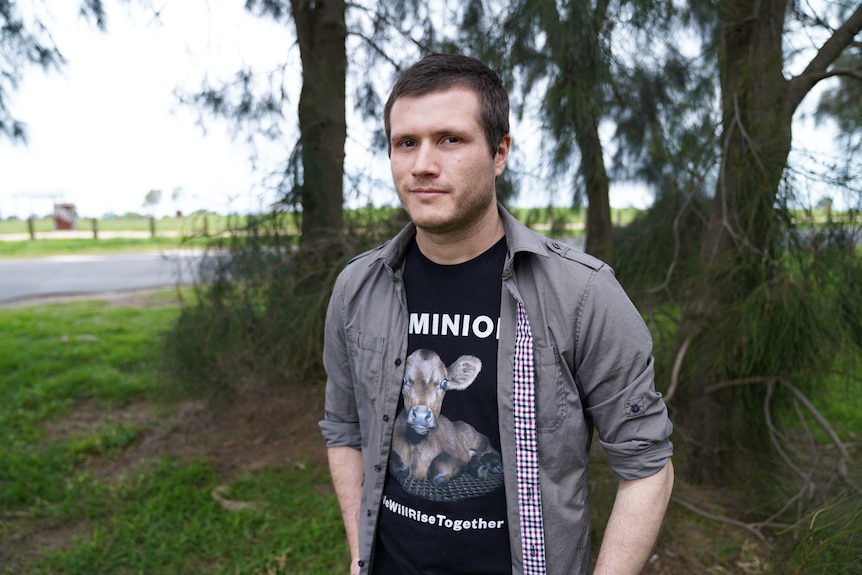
(463, 371)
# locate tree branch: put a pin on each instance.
(845, 72)
(843, 37)
(844, 456)
(677, 365)
(855, 73)
(721, 519)
(374, 46)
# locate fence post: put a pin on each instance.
(95, 229)
(206, 226)
(31, 227)
(152, 227)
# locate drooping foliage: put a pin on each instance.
(761, 294)
(259, 304)
(26, 41)
(611, 91)
(842, 103)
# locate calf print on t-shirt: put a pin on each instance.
(432, 456)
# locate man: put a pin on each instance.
(468, 360)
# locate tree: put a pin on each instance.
(178, 194)
(321, 31)
(747, 299)
(567, 56)
(566, 44)
(312, 180)
(152, 199)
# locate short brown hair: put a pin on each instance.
(437, 72)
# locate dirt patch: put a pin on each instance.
(256, 429)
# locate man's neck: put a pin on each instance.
(451, 249)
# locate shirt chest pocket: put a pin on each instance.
(553, 390)
(366, 363)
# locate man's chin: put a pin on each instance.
(432, 219)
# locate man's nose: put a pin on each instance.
(426, 161)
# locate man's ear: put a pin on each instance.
(502, 154)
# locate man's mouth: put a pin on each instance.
(427, 193)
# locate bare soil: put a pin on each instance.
(262, 426)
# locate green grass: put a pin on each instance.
(159, 517)
(42, 248)
(166, 521)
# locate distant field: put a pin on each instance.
(194, 224)
(114, 235)
(131, 233)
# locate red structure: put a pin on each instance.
(64, 216)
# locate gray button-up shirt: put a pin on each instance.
(594, 369)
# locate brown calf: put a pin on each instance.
(426, 444)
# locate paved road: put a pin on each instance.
(22, 279)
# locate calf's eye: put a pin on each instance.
(444, 384)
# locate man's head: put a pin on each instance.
(439, 72)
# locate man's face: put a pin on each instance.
(441, 166)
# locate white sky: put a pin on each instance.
(108, 128)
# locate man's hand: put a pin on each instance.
(634, 523)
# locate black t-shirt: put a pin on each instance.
(444, 508)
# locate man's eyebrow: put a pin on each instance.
(438, 132)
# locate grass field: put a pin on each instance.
(41, 248)
(106, 469)
(80, 492)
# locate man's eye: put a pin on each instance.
(451, 139)
(407, 144)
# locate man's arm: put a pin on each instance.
(345, 466)
(634, 523)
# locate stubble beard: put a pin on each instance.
(466, 213)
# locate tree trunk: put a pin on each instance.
(321, 34)
(600, 232)
(756, 136)
(568, 52)
(758, 104)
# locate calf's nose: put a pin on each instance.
(420, 416)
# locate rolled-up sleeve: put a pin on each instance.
(340, 424)
(616, 375)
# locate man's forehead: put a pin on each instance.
(457, 106)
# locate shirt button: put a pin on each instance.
(376, 467)
(368, 513)
(361, 563)
(385, 417)
(397, 362)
